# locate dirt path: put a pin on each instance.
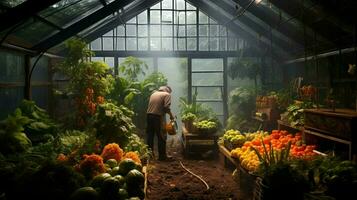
(168, 180)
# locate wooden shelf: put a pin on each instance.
(227, 155)
(190, 139)
(283, 126)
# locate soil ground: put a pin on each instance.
(168, 180)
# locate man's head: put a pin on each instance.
(165, 88)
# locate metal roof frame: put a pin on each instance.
(80, 25)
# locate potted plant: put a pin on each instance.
(188, 120)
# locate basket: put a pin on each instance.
(246, 183)
(261, 191)
(205, 131)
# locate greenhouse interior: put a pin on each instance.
(178, 99)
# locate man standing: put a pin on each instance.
(159, 106)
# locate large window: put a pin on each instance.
(171, 25)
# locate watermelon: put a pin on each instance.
(110, 186)
(99, 179)
(126, 165)
(121, 180)
(114, 171)
(85, 193)
(122, 194)
(135, 178)
(136, 192)
(112, 163)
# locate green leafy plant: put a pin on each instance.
(279, 174)
(12, 138)
(295, 112)
(88, 82)
(114, 124)
(132, 67)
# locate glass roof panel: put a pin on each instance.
(33, 31)
(11, 3)
(68, 12)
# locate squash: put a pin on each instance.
(85, 193)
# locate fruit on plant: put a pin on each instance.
(98, 180)
(135, 178)
(85, 193)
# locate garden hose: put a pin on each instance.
(201, 179)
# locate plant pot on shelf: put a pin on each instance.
(189, 125)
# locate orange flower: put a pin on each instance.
(62, 158)
(112, 151)
(100, 99)
(92, 165)
(134, 156)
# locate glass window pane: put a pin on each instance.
(143, 18)
(97, 59)
(167, 30)
(223, 44)
(213, 44)
(191, 30)
(231, 34)
(212, 21)
(143, 30)
(207, 64)
(203, 18)
(191, 44)
(143, 44)
(156, 6)
(181, 18)
(209, 93)
(232, 45)
(130, 30)
(132, 21)
(203, 30)
(213, 30)
(131, 44)
(109, 61)
(121, 30)
(154, 16)
(12, 67)
(167, 44)
(217, 107)
(167, 17)
(10, 98)
(96, 44)
(190, 7)
(181, 44)
(203, 44)
(120, 44)
(107, 43)
(222, 31)
(191, 17)
(180, 4)
(207, 79)
(110, 33)
(167, 4)
(155, 44)
(155, 30)
(181, 31)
